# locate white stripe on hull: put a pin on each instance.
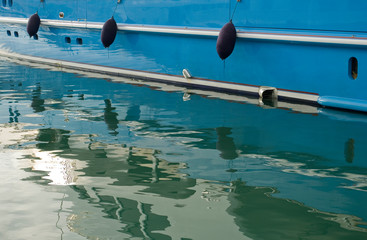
(197, 32)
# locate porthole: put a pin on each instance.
(16, 34)
(8, 32)
(10, 3)
(353, 68)
(67, 40)
(79, 41)
(61, 15)
(4, 3)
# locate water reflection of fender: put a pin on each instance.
(225, 144)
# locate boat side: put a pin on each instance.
(298, 50)
(340, 15)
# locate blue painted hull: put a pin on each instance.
(296, 47)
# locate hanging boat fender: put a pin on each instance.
(108, 33)
(226, 40)
(33, 25)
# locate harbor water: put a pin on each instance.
(87, 156)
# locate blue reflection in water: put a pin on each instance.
(133, 161)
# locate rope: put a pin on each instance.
(39, 5)
(234, 10)
(117, 3)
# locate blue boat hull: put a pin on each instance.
(301, 50)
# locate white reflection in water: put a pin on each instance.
(359, 181)
(61, 171)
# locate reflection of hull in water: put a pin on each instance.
(146, 215)
(128, 207)
(140, 176)
(220, 209)
(285, 219)
(221, 213)
(165, 138)
(133, 198)
(327, 135)
(302, 56)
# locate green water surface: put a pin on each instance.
(97, 158)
